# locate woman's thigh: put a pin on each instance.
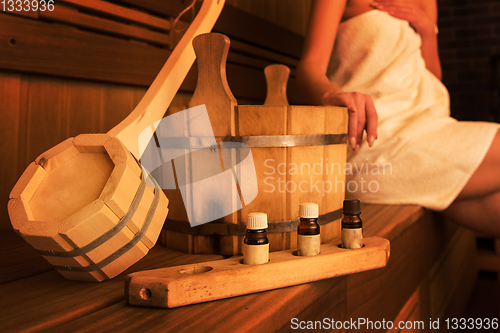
(486, 179)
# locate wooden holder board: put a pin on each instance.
(189, 284)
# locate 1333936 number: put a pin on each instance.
(27, 5)
(471, 323)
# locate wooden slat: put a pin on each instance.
(333, 301)
(46, 113)
(56, 50)
(122, 12)
(48, 300)
(10, 101)
(413, 252)
(267, 121)
(409, 312)
(248, 61)
(403, 216)
(19, 259)
(67, 15)
(464, 286)
(117, 102)
(83, 107)
(22, 159)
(271, 56)
(245, 27)
(25, 13)
(443, 275)
(253, 84)
(264, 312)
(168, 7)
(237, 24)
(487, 261)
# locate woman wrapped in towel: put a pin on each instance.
(379, 59)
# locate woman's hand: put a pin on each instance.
(423, 19)
(408, 11)
(362, 115)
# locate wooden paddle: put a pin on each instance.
(82, 204)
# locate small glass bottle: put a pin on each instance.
(352, 225)
(308, 238)
(256, 244)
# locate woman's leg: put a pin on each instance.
(481, 214)
(478, 205)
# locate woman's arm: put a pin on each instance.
(311, 72)
(422, 15)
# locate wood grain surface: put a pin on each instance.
(33, 297)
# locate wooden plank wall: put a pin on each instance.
(65, 44)
(58, 78)
(289, 14)
(38, 112)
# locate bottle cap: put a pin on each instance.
(352, 207)
(308, 210)
(257, 221)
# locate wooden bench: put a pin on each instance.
(430, 275)
(488, 257)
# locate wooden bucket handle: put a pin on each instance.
(212, 88)
(276, 80)
(157, 99)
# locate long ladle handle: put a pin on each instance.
(157, 99)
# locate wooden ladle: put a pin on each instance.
(82, 204)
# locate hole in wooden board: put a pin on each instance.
(145, 293)
(341, 247)
(296, 254)
(195, 270)
(12, 42)
(241, 262)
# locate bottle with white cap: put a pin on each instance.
(256, 244)
(308, 238)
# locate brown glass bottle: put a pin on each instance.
(308, 230)
(256, 243)
(256, 237)
(352, 225)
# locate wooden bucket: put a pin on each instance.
(84, 207)
(299, 153)
(83, 204)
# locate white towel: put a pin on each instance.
(422, 155)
